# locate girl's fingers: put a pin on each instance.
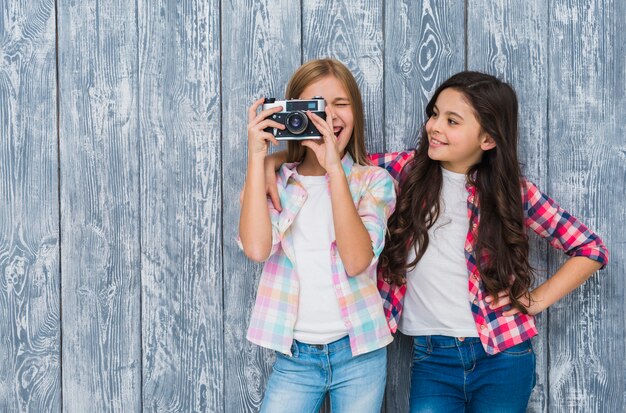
(329, 118)
(501, 295)
(268, 123)
(254, 118)
(317, 147)
(269, 137)
(317, 121)
(272, 192)
(511, 312)
(323, 127)
(265, 114)
(252, 109)
(500, 303)
(311, 143)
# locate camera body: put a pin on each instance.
(293, 116)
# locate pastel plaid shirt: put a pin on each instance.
(543, 215)
(275, 311)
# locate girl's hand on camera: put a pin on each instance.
(258, 139)
(327, 152)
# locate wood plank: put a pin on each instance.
(99, 172)
(510, 42)
(424, 45)
(181, 231)
(261, 50)
(587, 87)
(352, 32)
(30, 368)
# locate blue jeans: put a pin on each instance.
(456, 375)
(299, 383)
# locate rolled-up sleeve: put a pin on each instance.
(562, 230)
(274, 218)
(375, 207)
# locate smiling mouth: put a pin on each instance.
(437, 142)
(337, 130)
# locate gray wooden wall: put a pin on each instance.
(123, 149)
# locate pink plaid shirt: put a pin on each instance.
(275, 311)
(543, 215)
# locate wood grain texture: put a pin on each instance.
(351, 32)
(181, 210)
(150, 155)
(587, 174)
(30, 370)
(260, 51)
(99, 197)
(424, 45)
(510, 42)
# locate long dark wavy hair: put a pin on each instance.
(501, 249)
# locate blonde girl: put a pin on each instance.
(317, 303)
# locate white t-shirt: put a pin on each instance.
(437, 296)
(319, 318)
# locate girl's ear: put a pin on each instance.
(487, 142)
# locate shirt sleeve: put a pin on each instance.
(274, 218)
(562, 230)
(375, 207)
(393, 162)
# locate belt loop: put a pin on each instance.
(429, 344)
(295, 350)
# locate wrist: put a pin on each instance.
(256, 157)
(335, 172)
(535, 304)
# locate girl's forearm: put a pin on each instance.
(255, 227)
(353, 240)
(574, 272)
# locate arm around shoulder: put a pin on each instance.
(375, 208)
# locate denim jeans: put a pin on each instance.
(299, 383)
(456, 375)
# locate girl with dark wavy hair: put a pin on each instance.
(455, 263)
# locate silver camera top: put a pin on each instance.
(317, 104)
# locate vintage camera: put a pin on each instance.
(293, 116)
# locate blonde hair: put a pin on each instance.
(318, 69)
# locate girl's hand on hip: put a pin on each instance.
(503, 299)
(258, 139)
(327, 151)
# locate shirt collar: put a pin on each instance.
(287, 170)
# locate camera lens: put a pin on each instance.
(297, 122)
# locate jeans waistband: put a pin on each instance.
(444, 341)
(335, 346)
